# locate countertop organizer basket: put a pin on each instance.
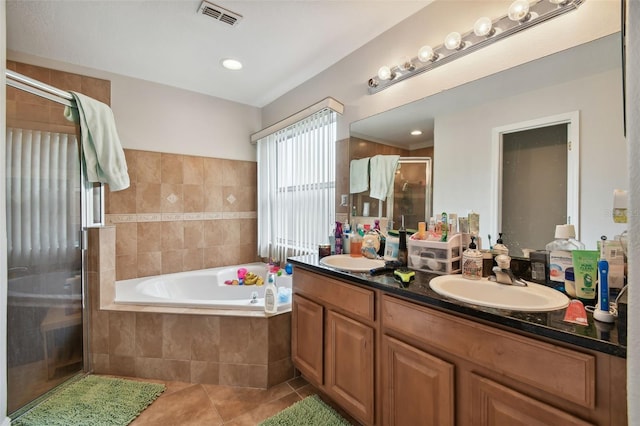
(435, 256)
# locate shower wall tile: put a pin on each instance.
(122, 365)
(193, 173)
(176, 336)
(183, 213)
(122, 326)
(149, 335)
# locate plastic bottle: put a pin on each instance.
(472, 261)
(338, 238)
(271, 295)
(403, 255)
(559, 254)
(445, 228)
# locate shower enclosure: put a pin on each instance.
(47, 206)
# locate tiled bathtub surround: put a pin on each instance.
(191, 347)
(183, 213)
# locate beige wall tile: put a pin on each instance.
(99, 336)
(243, 375)
(205, 372)
(245, 340)
(172, 171)
(193, 259)
(279, 329)
(177, 333)
(213, 172)
(122, 365)
(100, 363)
(149, 167)
(231, 232)
(126, 267)
(280, 371)
(121, 201)
(231, 172)
(194, 234)
(213, 198)
(149, 264)
(107, 284)
(148, 197)
(126, 239)
(231, 255)
(193, 170)
(122, 327)
(149, 335)
(205, 342)
(193, 198)
(172, 261)
(172, 198)
(172, 235)
(213, 233)
(213, 257)
(231, 199)
(149, 236)
(163, 369)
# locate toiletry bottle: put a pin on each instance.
(422, 230)
(338, 238)
(472, 261)
(271, 295)
(403, 255)
(559, 252)
(383, 238)
(499, 248)
(445, 228)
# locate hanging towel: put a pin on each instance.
(103, 155)
(359, 175)
(383, 171)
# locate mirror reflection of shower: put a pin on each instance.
(412, 192)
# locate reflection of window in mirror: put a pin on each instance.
(534, 186)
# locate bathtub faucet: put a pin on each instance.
(254, 297)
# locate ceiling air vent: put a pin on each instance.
(219, 13)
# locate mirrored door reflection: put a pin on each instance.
(44, 302)
(412, 192)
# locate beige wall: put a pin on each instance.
(183, 213)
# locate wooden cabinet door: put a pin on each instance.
(493, 404)
(349, 365)
(307, 338)
(418, 388)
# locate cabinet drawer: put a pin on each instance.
(561, 372)
(347, 297)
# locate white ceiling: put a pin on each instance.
(281, 43)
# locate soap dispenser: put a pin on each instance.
(499, 248)
(472, 261)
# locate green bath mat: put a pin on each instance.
(311, 411)
(93, 400)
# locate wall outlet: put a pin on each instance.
(344, 199)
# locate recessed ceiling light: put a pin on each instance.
(416, 132)
(231, 64)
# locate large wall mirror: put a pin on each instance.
(458, 126)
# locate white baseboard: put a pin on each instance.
(6, 422)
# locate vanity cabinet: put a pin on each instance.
(333, 340)
(389, 360)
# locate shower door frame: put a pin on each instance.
(91, 202)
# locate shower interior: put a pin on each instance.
(47, 205)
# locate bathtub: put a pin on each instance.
(204, 288)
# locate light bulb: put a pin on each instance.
(453, 41)
(232, 64)
(483, 27)
(406, 64)
(384, 73)
(426, 54)
(519, 10)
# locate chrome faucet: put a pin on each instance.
(502, 274)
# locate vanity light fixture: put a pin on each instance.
(522, 14)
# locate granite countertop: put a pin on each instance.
(606, 338)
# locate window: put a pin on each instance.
(296, 187)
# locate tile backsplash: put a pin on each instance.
(183, 213)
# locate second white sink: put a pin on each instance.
(533, 298)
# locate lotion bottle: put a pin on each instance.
(472, 261)
(271, 295)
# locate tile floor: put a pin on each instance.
(187, 404)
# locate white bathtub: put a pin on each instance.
(204, 288)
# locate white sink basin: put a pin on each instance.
(533, 298)
(345, 262)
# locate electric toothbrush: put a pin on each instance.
(601, 313)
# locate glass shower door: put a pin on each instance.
(44, 256)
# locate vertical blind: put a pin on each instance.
(296, 187)
(42, 186)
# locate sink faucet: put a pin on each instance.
(502, 274)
